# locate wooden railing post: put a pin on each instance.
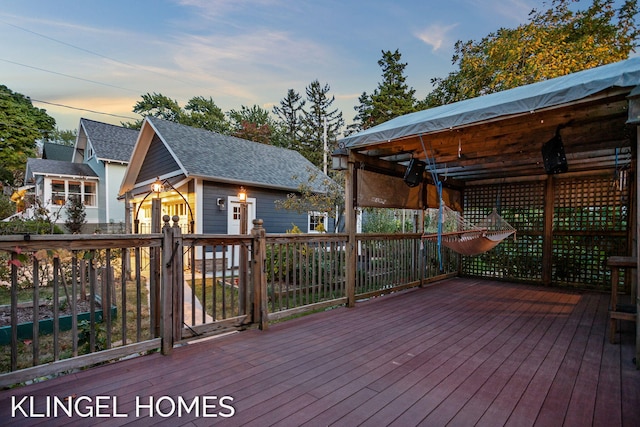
(350, 225)
(154, 270)
(171, 284)
(259, 276)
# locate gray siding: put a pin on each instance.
(157, 162)
(275, 220)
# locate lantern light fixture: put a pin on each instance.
(340, 159)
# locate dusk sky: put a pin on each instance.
(103, 55)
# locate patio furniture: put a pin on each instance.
(618, 310)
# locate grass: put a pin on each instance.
(225, 302)
(66, 338)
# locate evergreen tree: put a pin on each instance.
(76, 215)
(392, 98)
(290, 113)
(315, 119)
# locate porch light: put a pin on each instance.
(157, 187)
(340, 159)
(242, 195)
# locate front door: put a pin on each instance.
(233, 225)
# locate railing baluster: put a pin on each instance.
(36, 312)
(56, 314)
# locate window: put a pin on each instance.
(236, 213)
(58, 193)
(317, 222)
(63, 190)
(75, 190)
(90, 194)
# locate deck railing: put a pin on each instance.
(76, 300)
(110, 296)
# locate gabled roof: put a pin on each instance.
(54, 151)
(49, 167)
(213, 156)
(523, 99)
(110, 142)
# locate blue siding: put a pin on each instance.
(275, 220)
(157, 162)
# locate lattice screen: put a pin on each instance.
(590, 224)
(522, 206)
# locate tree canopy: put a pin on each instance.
(554, 42)
(199, 112)
(254, 124)
(21, 126)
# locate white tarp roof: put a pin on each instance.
(523, 99)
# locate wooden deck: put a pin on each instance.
(462, 352)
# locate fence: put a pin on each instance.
(78, 300)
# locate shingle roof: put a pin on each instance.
(215, 156)
(110, 142)
(58, 167)
(53, 151)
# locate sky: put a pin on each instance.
(95, 59)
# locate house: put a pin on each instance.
(203, 172)
(92, 170)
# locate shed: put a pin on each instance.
(203, 172)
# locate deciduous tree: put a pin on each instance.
(554, 42)
(21, 125)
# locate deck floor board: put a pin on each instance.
(461, 352)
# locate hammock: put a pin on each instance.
(469, 239)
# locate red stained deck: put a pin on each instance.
(460, 353)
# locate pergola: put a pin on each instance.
(559, 155)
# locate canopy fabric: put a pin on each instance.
(523, 99)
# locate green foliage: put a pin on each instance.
(313, 124)
(200, 112)
(84, 336)
(7, 207)
(254, 124)
(553, 43)
(21, 125)
(392, 97)
(290, 113)
(32, 226)
(306, 199)
(377, 220)
(76, 215)
(203, 113)
(64, 137)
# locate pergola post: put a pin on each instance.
(350, 224)
(547, 238)
(636, 246)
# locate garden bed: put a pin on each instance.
(45, 314)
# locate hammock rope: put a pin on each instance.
(458, 234)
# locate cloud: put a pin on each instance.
(436, 35)
(242, 65)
